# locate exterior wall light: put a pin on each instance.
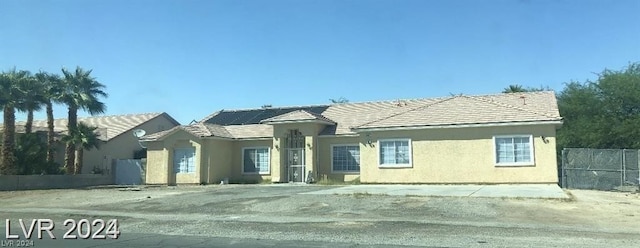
(544, 139)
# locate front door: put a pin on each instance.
(295, 158)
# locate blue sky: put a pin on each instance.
(190, 58)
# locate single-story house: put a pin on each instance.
(500, 138)
(115, 133)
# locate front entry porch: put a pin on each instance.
(297, 152)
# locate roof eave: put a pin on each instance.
(338, 135)
(495, 124)
(253, 138)
(217, 137)
(169, 133)
(299, 121)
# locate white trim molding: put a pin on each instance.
(512, 164)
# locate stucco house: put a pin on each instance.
(115, 133)
(501, 138)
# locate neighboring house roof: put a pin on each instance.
(350, 118)
(109, 127)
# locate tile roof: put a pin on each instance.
(298, 116)
(348, 118)
(351, 115)
(197, 129)
(460, 110)
(210, 130)
(250, 131)
(109, 127)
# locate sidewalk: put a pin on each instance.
(546, 191)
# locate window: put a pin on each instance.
(345, 158)
(514, 150)
(255, 160)
(184, 160)
(395, 153)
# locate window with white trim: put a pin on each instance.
(184, 160)
(514, 150)
(255, 160)
(345, 158)
(394, 153)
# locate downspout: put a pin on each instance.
(209, 165)
(316, 155)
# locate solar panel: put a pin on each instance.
(255, 116)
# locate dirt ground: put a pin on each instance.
(590, 219)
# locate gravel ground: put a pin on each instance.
(591, 219)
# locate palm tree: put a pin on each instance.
(514, 88)
(81, 91)
(10, 98)
(32, 91)
(52, 90)
(83, 137)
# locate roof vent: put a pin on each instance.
(524, 100)
(266, 106)
(401, 103)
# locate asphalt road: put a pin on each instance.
(167, 241)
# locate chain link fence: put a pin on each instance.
(600, 169)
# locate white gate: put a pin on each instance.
(129, 171)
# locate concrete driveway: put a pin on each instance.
(542, 191)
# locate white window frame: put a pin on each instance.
(268, 160)
(195, 160)
(531, 150)
(409, 165)
(347, 171)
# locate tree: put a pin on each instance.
(515, 88)
(582, 112)
(81, 91)
(32, 94)
(339, 100)
(83, 137)
(52, 90)
(10, 98)
(31, 152)
(604, 113)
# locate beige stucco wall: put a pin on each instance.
(455, 155)
(216, 160)
(160, 160)
(157, 163)
(236, 160)
(324, 158)
(461, 155)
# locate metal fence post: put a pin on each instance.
(623, 174)
(563, 179)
